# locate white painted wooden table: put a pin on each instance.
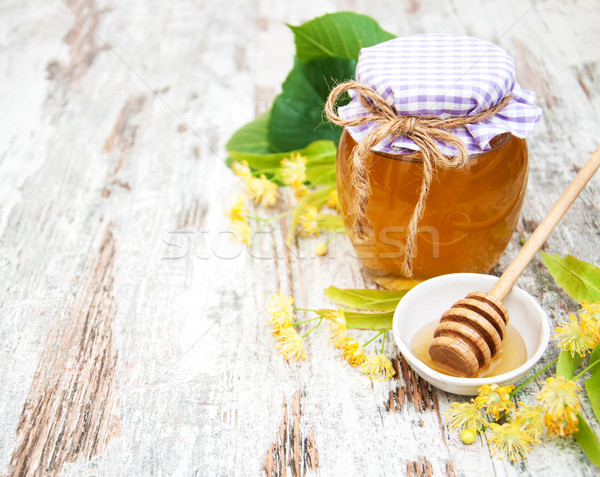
(132, 340)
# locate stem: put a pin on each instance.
(268, 219)
(256, 217)
(304, 309)
(376, 336)
(261, 171)
(260, 229)
(586, 369)
(383, 344)
(313, 328)
(516, 390)
(283, 214)
(305, 321)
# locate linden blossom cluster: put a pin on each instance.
(558, 406)
(291, 344)
(377, 366)
(579, 335)
(288, 341)
(265, 193)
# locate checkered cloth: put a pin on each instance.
(443, 75)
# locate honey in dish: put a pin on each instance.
(512, 354)
(469, 216)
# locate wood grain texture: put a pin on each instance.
(292, 452)
(130, 319)
(68, 413)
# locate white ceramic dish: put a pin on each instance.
(427, 302)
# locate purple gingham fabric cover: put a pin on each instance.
(443, 75)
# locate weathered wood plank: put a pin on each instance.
(68, 413)
(126, 126)
(291, 447)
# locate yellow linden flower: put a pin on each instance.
(378, 367)
(321, 249)
(309, 221)
(333, 200)
(300, 190)
(494, 399)
(293, 170)
(465, 415)
(531, 420)
(509, 441)
(279, 322)
(561, 404)
(238, 211)
(337, 326)
(559, 393)
(573, 337)
(241, 169)
(279, 306)
(590, 318)
(262, 190)
(242, 232)
(290, 344)
(563, 425)
(354, 352)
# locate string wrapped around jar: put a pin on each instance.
(444, 96)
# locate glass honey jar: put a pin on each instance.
(432, 164)
(469, 218)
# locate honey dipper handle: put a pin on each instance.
(543, 231)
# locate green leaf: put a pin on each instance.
(581, 280)
(318, 198)
(321, 175)
(340, 34)
(365, 299)
(588, 440)
(252, 138)
(331, 223)
(320, 162)
(318, 154)
(268, 164)
(365, 321)
(297, 117)
(567, 365)
(592, 384)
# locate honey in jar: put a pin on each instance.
(469, 218)
(434, 136)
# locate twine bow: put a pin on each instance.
(424, 131)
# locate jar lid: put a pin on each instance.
(443, 76)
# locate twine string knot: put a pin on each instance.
(427, 132)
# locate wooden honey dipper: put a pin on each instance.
(470, 333)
